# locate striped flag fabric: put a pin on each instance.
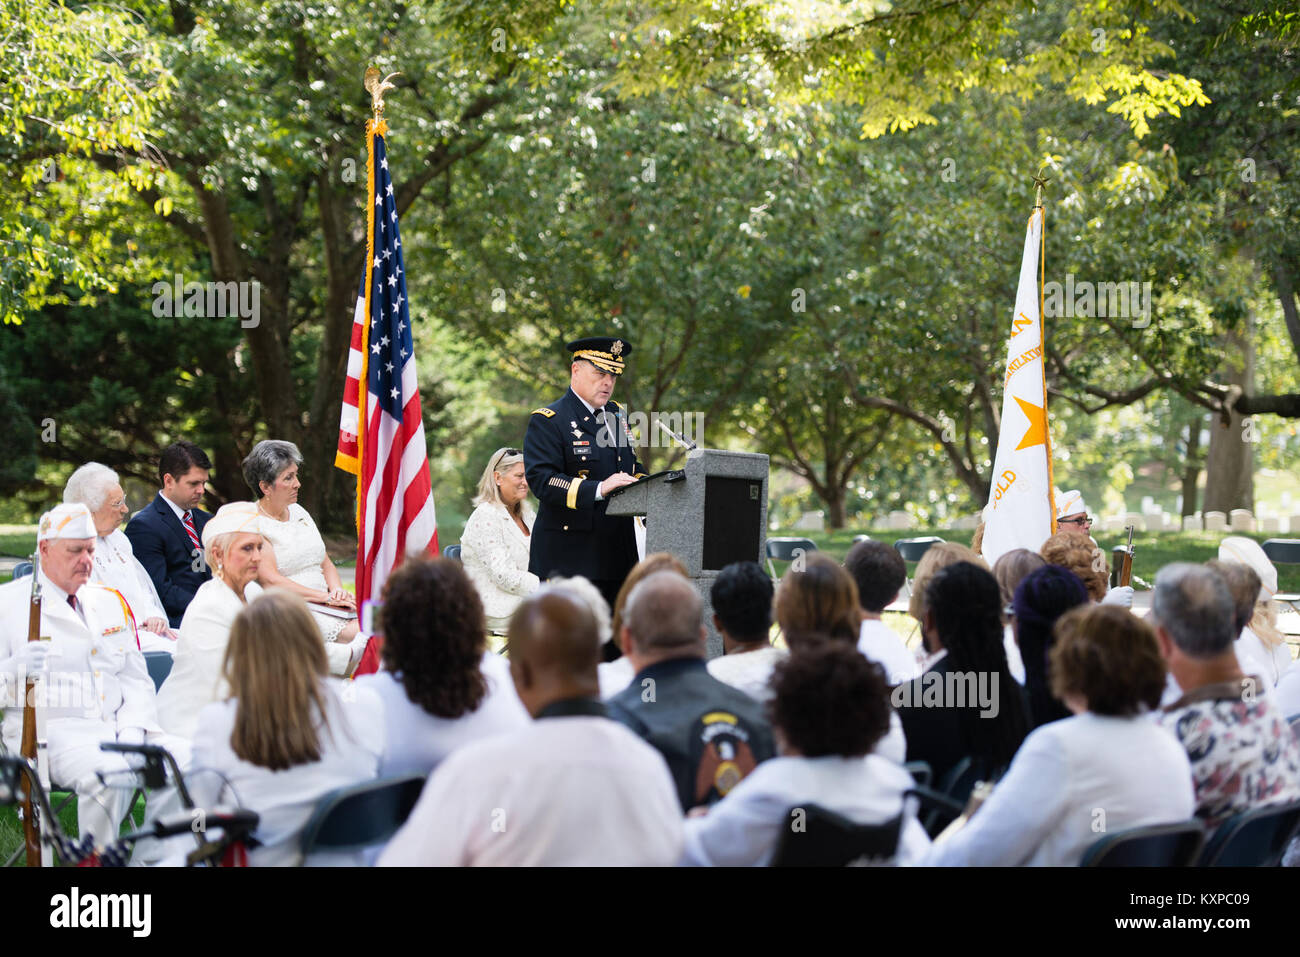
(1020, 511)
(381, 432)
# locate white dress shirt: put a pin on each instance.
(495, 554)
(1071, 783)
(879, 643)
(573, 790)
(284, 800)
(744, 827)
(614, 676)
(749, 671)
(195, 679)
(416, 741)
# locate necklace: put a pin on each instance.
(273, 517)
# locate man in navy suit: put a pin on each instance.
(166, 534)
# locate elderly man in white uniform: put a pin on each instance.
(93, 672)
(98, 488)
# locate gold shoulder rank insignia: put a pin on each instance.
(546, 412)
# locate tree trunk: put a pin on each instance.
(835, 507)
(1230, 464)
(1192, 468)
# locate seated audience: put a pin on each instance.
(879, 573)
(294, 556)
(1261, 646)
(440, 685)
(615, 669)
(1010, 570)
(97, 487)
(1106, 769)
(496, 540)
(166, 535)
(1039, 601)
(1242, 752)
(571, 788)
(710, 733)
(966, 704)
(821, 603)
(1080, 554)
(288, 734)
(232, 544)
(830, 708)
(90, 675)
(742, 613)
(614, 675)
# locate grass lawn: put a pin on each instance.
(11, 828)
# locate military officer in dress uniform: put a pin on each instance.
(576, 452)
(93, 684)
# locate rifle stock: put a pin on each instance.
(1126, 566)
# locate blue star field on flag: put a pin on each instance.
(390, 322)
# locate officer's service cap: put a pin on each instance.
(603, 352)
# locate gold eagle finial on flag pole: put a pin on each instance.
(377, 88)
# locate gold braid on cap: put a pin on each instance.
(602, 360)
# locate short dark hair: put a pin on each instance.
(879, 572)
(830, 700)
(435, 635)
(1109, 656)
(742, 600)
(178, 458)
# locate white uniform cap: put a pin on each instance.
(235, 517)
(69, 520)
(1069, 503)
(1246, 551)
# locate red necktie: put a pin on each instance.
(189, 529)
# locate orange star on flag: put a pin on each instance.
(1036, 434)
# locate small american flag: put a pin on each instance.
(395, 515)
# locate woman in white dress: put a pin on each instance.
(232, 543)
(98, 488)
(495, 543)
(1261, 647)
(286, 736)
(294, 557)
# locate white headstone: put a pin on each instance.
(1216, 522)
(1270, 524)
(1191, 523)
(1137, 520)
(1293, 525)
(1242, 520)
(811, 522)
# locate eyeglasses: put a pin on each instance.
(1082, 520)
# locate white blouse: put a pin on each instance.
(351, 746)
(195, 679)
(418, 741)
(1259, 658)
(1071, 783)
(743, 828)
(300, 556)
(495, 555)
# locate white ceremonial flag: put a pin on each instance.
(1021, 512)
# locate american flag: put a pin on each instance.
(395, 515)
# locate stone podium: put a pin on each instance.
(709, 513)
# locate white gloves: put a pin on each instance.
(29, 660)
(1123, 595)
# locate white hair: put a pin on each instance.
(582, 589)
(89, 485)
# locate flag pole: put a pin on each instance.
(1040, 183)
(376, 126)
